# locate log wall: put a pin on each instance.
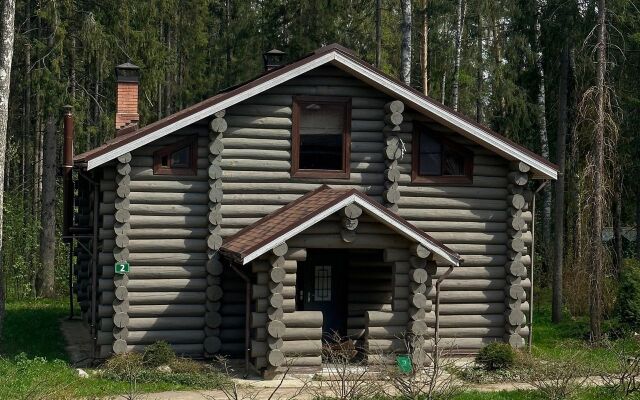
(167, 243)
(178, 290)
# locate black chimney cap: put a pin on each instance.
(127, 72)
(272, 59)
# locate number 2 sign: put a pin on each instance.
(122, 267)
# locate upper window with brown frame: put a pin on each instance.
(438, 160)
(180, 158)
(320, 145)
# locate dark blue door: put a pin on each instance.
(322, 287)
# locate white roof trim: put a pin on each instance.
(188, 120)
(452, 118)
(377, 213)
(336, 57)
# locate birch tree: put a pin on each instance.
(424, 49)
(378, 33)
(455, 85)
(542, 130)
(405, 50)
(6, 55)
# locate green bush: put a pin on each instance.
(496, 356)
(157, 354)
(628, 302)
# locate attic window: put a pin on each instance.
(177, 159)
(321, 137)
(438, 160)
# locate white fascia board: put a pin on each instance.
(483, 136)
(380, 216)
(188, 120)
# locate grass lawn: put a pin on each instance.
(570, 337)
(33, 363)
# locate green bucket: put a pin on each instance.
(403, 361)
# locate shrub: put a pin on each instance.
(157, 354)
(496, 356)
(628, 303)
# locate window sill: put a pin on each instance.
(443, 180)
(174, 171)
(311, 173)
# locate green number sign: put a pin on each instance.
(404, 363)
(122, 267)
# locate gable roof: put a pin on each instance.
(283, 224)
(346, 60)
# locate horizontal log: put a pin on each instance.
(160, 272)
(361, 241)
(156, 285)
(177, 258)
(302, 333)
(303, 319)
(302, 347)
(157, 298)
(454, 192)
(162, 310)
(157, 323)
(169, 336)
(451, 203)
(476, 308)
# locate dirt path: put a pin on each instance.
(290, 389)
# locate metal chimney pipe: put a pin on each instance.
(67, 168)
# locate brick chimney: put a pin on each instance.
(127, 80)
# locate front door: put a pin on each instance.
(322, 287)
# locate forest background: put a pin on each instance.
(559, 77)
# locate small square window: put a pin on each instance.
(438, 160)
(177, 159)
(320, 145)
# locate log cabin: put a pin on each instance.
(321, 198)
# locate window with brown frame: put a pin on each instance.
(320, 145)
(180, 158)
(438, 160)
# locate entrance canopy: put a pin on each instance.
(299, 215)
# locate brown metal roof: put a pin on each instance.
(276, 227)
(119, 141)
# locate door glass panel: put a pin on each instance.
(322, 283)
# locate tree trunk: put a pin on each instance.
(443, 86)
(6, 55)
(48, 215)
(379, 33)
(405, 56)
(563, 116)
(597, 259)
(480, 70)
(455, 85)
(638, 221)
(424, 51)
(617, 225)
(544, 142)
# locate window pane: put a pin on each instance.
(322, 283)
(453, 163)
(321, 129)
(180, 158)
(430, 164)
(428, 144)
